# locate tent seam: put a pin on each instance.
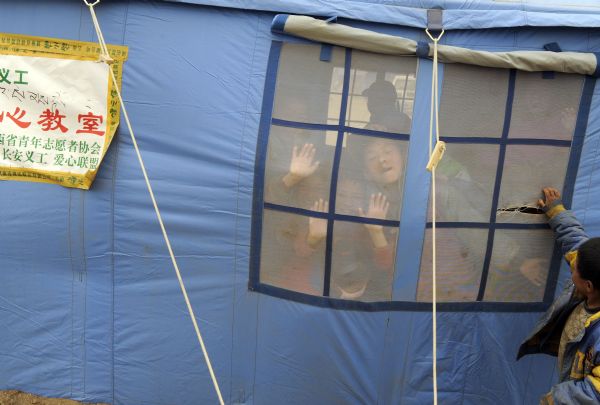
(85, 280)
(72, 286)
(237, 206)
(382, 358)
(112, 255)
(112, 265)
(406, 353)
(528, 377)
(258, 298)
(465, 375)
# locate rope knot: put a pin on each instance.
(106, 59)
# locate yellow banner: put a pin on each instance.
(58, 109)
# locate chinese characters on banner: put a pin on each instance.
(58, 109)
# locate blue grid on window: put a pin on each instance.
(341, 129)
(263, 207)
(492, 227)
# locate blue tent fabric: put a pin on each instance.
(90, 308)
(457, 14)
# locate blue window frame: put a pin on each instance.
(492, 224)
(335, 87)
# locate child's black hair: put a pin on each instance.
(588, 261)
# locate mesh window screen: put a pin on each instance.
(527, 169)
(545, 108)
(382, 92)
(474, 105)
(508, 135)
(473, 101)
(360, 271)
(298, 169)
(519, 266)
(308, 89)
(301, 161)
(465, 183)
(288, 260)
(370, 166)
(460, 255)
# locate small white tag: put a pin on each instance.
(436, 155)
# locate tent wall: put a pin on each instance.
(458, 14)
(90, 308)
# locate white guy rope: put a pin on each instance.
(434, 112)
(106, 58)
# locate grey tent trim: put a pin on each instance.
(365, 40)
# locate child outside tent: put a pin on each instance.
(570, 329)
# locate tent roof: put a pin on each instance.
(458, 14)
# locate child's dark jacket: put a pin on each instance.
(579, 378)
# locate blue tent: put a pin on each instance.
(90, 308)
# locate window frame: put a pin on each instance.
(259, 204)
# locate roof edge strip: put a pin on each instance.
(412, 13)
(342, 35)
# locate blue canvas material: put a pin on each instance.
(90, 308)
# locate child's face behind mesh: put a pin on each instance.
(383, 161)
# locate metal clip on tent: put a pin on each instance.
(440, 146)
